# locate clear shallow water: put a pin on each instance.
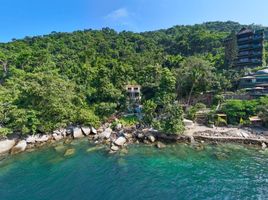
(177, 172)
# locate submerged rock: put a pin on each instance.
(199, 147)
(160, 145)
(92, 149)
(120, 141)
(221, 156)
(69, 152)
(114, 148)
(6, 145)
(19, 147)
(60, 148)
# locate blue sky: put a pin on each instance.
(20, 18)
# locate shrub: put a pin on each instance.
(239, 109)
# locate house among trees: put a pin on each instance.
(133, 98)
(245, 49)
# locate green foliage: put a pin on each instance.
(263, 110)
(105, 109)
(219, 121)
(33, 102)
(195, 75)
(239, 109)
(129, 120)
(149, 111)
(67, 78)
(168, 119)
(171, 119)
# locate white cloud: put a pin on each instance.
(118, 14)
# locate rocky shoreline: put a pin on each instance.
(119, 137)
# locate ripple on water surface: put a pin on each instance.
(176, 172)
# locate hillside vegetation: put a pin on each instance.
(59, 79)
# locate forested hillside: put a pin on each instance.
(65, 78)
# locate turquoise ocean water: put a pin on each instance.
(176, 172)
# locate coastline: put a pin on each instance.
(120, 137)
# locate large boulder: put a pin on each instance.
(120, 141)
(77, 133)
(62, 132)
(86, 130)
(31, 139)
(19, 147)
(106, 133)
(43, 138)
(57, 137)
(263, 146)
(6, 145)
(93, 131)
(151, 138)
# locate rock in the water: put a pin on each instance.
(114, 148)
(160, 145)
(120, 141)
(191, 138)
(77, 133)
(19, 147)
(69, 152)
(146, 141)
(43, 138)
(62, 132)
(263, 146)
(106, 133)
(151, 138)
(93, 131)
(6, 145)
(31, 139)
(94, 148)
(199, 147)
(86, 130)
(57, 136)
(60, 148)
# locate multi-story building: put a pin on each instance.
(256, 83)
(248, 52)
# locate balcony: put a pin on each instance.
(245, 46)
(244, 39)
